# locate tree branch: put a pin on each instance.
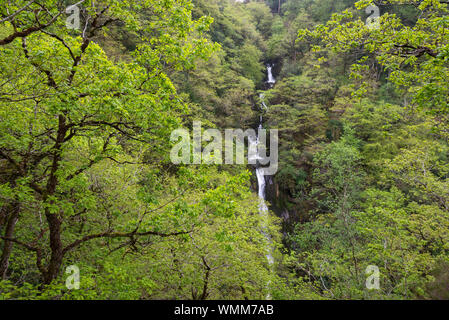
(28, 31)
(111, 234)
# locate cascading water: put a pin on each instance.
(262, 101)
(263, 209)
(271, 81)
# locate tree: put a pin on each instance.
(415, 57)
(65, 108)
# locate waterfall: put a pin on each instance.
(262, 102)
(263, 209)
(271, 81)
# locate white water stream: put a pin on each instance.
(263, 209)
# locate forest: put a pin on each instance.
(93, 207)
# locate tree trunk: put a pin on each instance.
(55, 263)
(3, 216)
(9, 233)
(53, 219)
(206, 280)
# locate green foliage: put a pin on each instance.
(415, 56)
(86, 179)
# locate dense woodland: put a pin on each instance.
(86, 178)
